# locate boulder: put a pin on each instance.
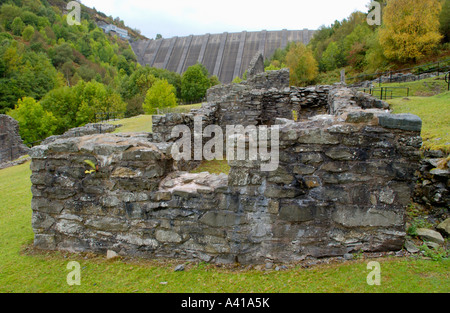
(444, 227)
(430, 235)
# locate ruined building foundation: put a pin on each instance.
(345, 177)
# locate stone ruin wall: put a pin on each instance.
(343, 183)
(11, 145)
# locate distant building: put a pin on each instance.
(107, 28)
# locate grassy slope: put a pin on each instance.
(422, 88)
(25, 270)
(143, 123)
(435, 114)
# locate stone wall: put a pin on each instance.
(342, 185)
(11, 145)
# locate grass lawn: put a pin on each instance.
(435, 114)
(422, 88)
(24, 270)
(143, 123)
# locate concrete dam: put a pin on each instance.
(225, 55)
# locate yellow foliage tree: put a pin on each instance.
(410, 29)
(302, 65)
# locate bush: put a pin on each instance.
(27, 33)
(34, 122)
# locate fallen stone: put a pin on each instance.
(111, 255)
(411, 247)
(348, 256)
(432, 245)
(444, 227)
(430, 235)
(179, 268)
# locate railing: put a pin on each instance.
(447, 80)
(385, 93)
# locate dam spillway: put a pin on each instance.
(225, 55)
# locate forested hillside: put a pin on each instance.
(412, 32)
(54, 76)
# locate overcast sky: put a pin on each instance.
(196, 17)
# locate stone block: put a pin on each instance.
(166, 236)
(408, 122)
(359, 117)
(354, 216)
(222, 219)
(340, 153)
(298, 210)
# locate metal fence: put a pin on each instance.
(385, 93)
(107, 116)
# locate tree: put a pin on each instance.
(17, 26)
(303, 67)
(445, 21)
(61, 54)
(410, 29)
(27, 33)
(214, 81)
(160, 95)
(333, 57)
(194, 83)
(34, 122)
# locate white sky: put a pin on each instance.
(197, 17)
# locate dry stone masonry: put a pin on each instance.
(11, 145)
(345, 176)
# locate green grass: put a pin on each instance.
(143, 123)
(22, 269)
(213, 167)
(422, 88)
(435, 114)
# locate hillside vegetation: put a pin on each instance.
(412, 32)
(54, 76)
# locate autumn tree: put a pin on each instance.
(302, 64)
(410, 29)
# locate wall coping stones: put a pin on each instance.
(408, 122)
